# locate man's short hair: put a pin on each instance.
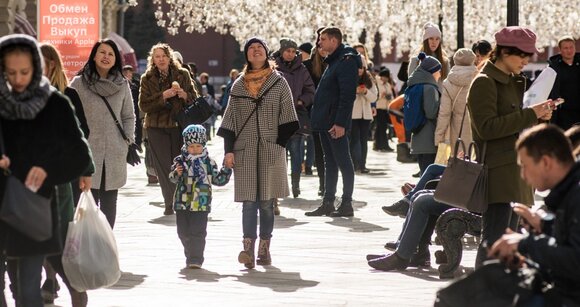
(333, 32)
(546, 140)
(565, 38)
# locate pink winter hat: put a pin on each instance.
(519, 37)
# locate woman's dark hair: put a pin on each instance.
(20, 48)
(507, 50)
(366, 79)
(90, 67)
(482, 47)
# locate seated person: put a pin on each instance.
(413, 244)
(401, 207)
(546, 161)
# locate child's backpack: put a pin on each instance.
(414, 114)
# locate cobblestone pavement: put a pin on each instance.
(317, 261)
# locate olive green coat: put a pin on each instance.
(495, 105)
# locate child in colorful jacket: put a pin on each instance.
(194, 172)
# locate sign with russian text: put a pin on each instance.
(73, 27)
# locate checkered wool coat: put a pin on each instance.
(259, 148)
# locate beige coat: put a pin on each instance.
(361, 108)
(453, 101)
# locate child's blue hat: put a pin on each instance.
(194, 134)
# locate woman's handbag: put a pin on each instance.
(195, 113)
(464, 182)
(24, 210)
(90, 258)
(132, 155)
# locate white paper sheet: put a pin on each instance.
(541, 88)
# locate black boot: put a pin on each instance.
(326, 208)
(389, 263)
(295, 184)
(422, 258)
(404, 153)
(345, 209)
(399, 208)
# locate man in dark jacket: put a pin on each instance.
(567, 66)
(331, 117)
(546, 161)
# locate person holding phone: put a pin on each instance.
(494, 101)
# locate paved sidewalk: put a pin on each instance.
(317, 261)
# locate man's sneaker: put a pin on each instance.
(194, 266)
(400, 208)
(325, 208)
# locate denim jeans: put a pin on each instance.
(309, 151)
(425, 160)
(250, 219)
(25, 276)
(433, 171)
(192, 230)
(337, 156)
(296, 149)
(423, 206)
(359, 142)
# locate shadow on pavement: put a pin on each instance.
(159, 204)
(355, 224)
(286, 222)
(201, 275)
(275, 279)
(428, 274)
(128, 280)
(167, 220)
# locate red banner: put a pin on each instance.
(73, 27)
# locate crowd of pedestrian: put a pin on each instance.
(320, 104)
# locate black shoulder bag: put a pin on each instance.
(24, 210)
(132, 156)
(194, 114)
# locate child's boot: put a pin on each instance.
(247, 255)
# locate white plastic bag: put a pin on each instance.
(90, 258)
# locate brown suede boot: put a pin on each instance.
(264, 253)
(247, 255)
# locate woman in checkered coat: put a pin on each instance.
(257, 124)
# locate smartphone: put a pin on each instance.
(559, 101)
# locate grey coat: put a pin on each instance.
(423, 142)
(260, 160)
(108, 146)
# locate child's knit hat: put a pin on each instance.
(429, 63)
(194, 134)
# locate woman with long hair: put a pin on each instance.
(161, 101)
(69, 193)
(101, 79)
(431, 46)
(363, 111)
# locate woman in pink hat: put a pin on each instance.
(495, 107)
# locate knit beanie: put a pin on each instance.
(194, 134)
(464, 57)
(286, 43)
(429, 63)
(431, 30)
(306, 47)
(255, 40)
